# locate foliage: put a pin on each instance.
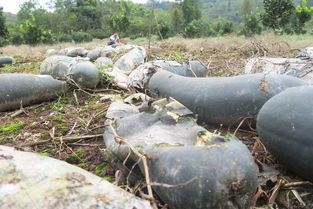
(164, 30)
(64, 37)
(303, 14)
(10, 128)
(79, 37)
(251, 25)
(33, 34)
(246, 8)
(4, 33)
(223, 26)
(105, 79)
(197, 28)
(177, 19)
(26, 10)
(191, 10)
(277, 13)
(82, 20)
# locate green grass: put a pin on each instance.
(22, 68)
(10, 128)
(62, 129)
(100, 170)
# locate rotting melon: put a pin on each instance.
(285, 126)
(193, 68)
(131, 60)
(94, 54)
(199, 169)
(222, 100)
(25, 89)
(138, 78)
(29, 180)
(7, 60)
(84, 73)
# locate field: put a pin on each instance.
(70, 127)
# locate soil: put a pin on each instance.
(45, 128)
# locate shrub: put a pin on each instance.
(16, 39)
(197, 28)
(64, 37)
(251, 25)
(99, 33)
(3, 41)
(164, 30)
(47, 37)
(81, 37)
(223, 26)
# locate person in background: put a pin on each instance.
(114, 39)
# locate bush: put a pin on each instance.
(33, 34)
(164, 30)
(16, 39)
(79, 37)
(47, 37)
(99, 33)
(3, 42)
(64, 37)
(197, 28)
(223, 26)
(251, 25)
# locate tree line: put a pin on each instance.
(83, 20)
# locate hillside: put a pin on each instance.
(213, 9)
(10, 17)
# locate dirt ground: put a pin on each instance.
(70, 127)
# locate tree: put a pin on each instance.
(303, 14)
(223, 26)
(251, 25)
(191, 10)
(197, 28)
(3, 28)
(246, 8)
(177, 18)
(118, 15)
(277, 13)
(26, 10)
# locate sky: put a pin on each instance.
(13, 5)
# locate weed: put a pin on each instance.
(76, 158)
(108, 178)
(21, 68)
(62, 129)
(72, 159)
(10, 128)
(57, 118)
(100, 170)
(105, 79)
(44, 153)
(61, 102)
(178, 56)
(44, 135)
(228, 136)
(80, 152)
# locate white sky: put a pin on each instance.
(13, 5)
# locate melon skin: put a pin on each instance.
(25, 89)
(285, 126)
(222, 100)
(83, 73)
(86, 74)
(7, 60)
(220, 171)
(29, 180)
